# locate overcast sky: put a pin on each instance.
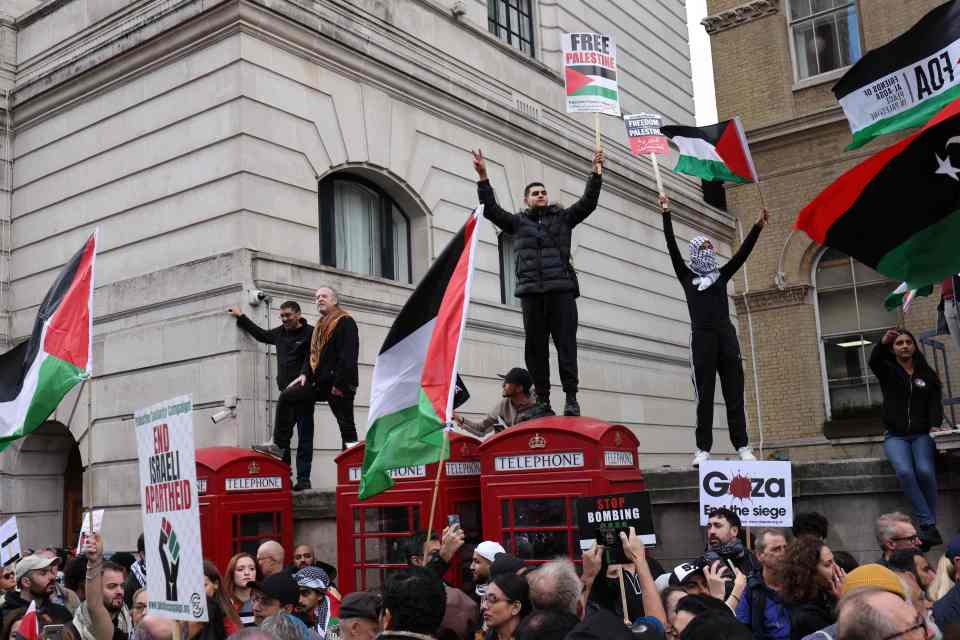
(704, 98)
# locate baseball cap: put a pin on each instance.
(32, 563)
(280, 586)
(647, 628)
(876, 576)
(489, 550)
(953, 549)
(361, 604)
(505, 563)
(312, 578)
(519, 376)
(683, 572)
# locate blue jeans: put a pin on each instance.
(912, 458)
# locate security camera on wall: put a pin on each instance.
(221, 415)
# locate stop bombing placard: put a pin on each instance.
(760, 492)
(171, 514)
(590, 73)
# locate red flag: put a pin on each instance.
(29, 624)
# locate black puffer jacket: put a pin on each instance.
(542, 239)
(911, 404)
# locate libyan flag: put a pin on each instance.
(36, 374)
(906, 81)
(415, 383)
(717, 152)
(898, 212)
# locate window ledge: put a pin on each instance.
(822, 78)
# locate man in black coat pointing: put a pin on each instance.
(546, 280)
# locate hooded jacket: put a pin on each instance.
(541, 239)
(911, 404)
(293, 346)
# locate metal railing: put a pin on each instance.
(931, 339)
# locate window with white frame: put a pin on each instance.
(825, 35)
(852, 320)
(508, 270)
(512, 22)
(362, 229)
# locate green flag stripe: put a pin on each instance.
(707, 169)
(927, 256)
(404, 438)
(55, 378)
(915, 117)
(596, 90)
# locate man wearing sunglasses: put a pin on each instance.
(547, 283)
(8, 580)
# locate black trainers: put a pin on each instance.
(572, 407)
(302, 485)
(929, 537)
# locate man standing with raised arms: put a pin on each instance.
(546, 281)
(714, 348)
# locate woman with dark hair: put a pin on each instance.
(811, 585)
(241, 571)
(912, 406)
(504, 605)
(226, 614)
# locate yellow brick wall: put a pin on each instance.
(754, 79)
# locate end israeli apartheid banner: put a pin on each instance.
(590, 73)
(643, 131)
(171, 514)
(761, 492)
(9, 542)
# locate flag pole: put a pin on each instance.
(596, 135)
(436, 485)
(763, 205)
(656, 174)
(623, 595)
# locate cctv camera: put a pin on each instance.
(221, 415)
(256, 296)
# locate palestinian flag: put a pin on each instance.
(898, 212)
(716, 152)
(591, 80)
(36, 374)
(30, 623)
(903, 296)
(415, 376)
(905, 82)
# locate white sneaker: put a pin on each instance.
(746, 453)
(700, 456)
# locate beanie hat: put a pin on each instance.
(876, 576)
(489, 550)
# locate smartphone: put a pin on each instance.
(53, 631)
(453, 519)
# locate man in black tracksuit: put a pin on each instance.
(329, 374)
(546, 281)
(713, 344)
(292, 340)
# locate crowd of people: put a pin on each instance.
(784, 585)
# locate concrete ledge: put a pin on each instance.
(314, 505)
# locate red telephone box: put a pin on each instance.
(245, 500)
(531, 475)
(371, 534)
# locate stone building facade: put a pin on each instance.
(228, 146)
(814, 313)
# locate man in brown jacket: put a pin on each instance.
(516, 406)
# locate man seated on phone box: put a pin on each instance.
(36, 578)
(516, 406)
